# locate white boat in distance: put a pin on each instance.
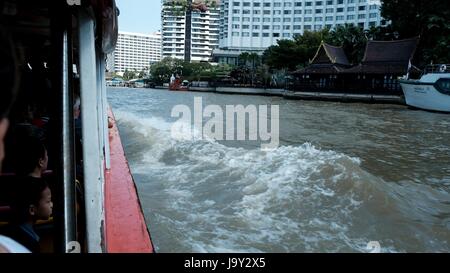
(432, 91)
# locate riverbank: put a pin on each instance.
(320, 96)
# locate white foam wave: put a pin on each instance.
(227, 199)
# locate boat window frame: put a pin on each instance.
(441, 88)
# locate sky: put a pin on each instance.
(141, 16)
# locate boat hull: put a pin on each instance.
(425, 96)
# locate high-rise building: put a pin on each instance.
(204, 32)
(135, 51)
(254, 25)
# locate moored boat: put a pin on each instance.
(431, 92)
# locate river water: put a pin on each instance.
(344, 175)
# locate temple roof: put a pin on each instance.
(330, 54)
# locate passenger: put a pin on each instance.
(78, 138)
(31, 158)
(9, 79)
(32, 202)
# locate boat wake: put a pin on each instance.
(202, 196)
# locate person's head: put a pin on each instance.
(32, 158)
(9, 82)
(33, 201)
(76, 107)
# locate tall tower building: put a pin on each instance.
(254, 25)
(204, 36)
(135, 51)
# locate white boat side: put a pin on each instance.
(424, 93)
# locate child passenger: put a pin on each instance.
(33, 202)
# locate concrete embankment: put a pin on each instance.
(324, 96)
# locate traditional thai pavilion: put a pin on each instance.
(383, 63)
(328, 60)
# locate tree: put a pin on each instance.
(427, 19)
(290, 54)
(353, 40)
(129, 75)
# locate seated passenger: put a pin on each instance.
(33, 202)
(31, 158)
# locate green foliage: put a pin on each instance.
(289, 54)
(163, 70)
(427, 19)
(129, 75)
(352, 39)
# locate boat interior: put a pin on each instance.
(46, 46)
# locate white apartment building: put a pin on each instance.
(135, 51)
(254, 25)
(204, 34)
